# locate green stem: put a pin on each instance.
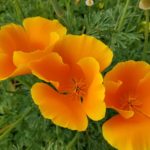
(120, 22)
(57, 131)
(19, 11)
(56, 8)
(69, 15)
(145, 50)
(73, 141)
(13, 125)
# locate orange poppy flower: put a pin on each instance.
(127, 91)
(74, 47)
(75, 74)
(20, 45)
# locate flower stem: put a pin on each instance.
(145, 50)
(120, 22)
(73, 141)
(19, 11)
(57, 8)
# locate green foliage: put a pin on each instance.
(21, 125)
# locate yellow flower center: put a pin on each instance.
(130, 103)
(79, 87)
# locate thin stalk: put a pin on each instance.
(19, 10)
(73, 141)
(13, 125)
(145, 50)
(69, 15)
(57, 8)
(121, 20)
(57, 131)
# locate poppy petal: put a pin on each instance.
(143, 96)
(23, 58)
(93, 103)
(50, 68)
(15, 36)
(62, 109)
(128, 134)
(112, 97)
(6, 66)
(40, 29)
(121, 84)
(124, 72)
(74, 47)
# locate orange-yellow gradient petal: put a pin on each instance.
(128, 134)
(63, 110)
(121, 82)
(21, 58)
(50, 68)
(93, 102)
(22, 44)
(112, 97)
(40, 31)
(124, 72)
(127, 91)
(74, 47)
(143, 94)
(6, 66)
(13, 38)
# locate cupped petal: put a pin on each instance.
(22, 61)
(17, 63)
(121, 84)
(74, 47)
(93, 101)
(143, 95)
(6, 66)
(128, 134)
(129, 73)
(12, 38)
(21, 58)
(50, 68)
(41, 30)
(113, 97)
(63, 110)
(124, 113)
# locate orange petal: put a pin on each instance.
(143, 95)
(121, 84)
(129, 73)
(63, 110)
(41, 30)
(128, 134)
(12, 38)
(50, 67)
(19, 65)
(113, 96)
(6, 66)
(21, 58)
(74, 47)
(93, 101)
